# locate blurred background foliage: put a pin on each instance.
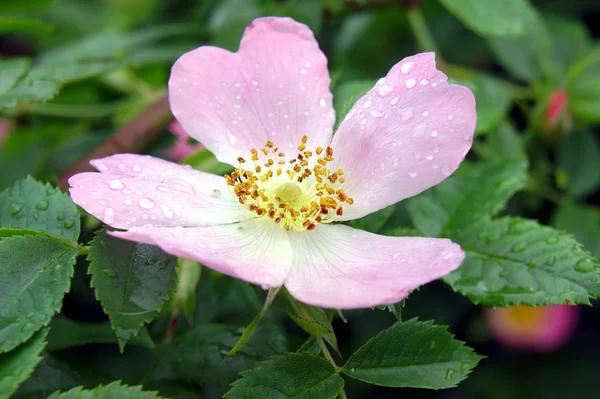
(78, 76)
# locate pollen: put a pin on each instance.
(297, 192)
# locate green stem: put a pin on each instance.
(149, 370)
(421, 32)
(83, 250)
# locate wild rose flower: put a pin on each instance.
(182, 148)
(541, 329)
(267, 110)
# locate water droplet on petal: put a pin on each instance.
(367, 103)
(136, 168)
(303, 71)
(434, 133)
(407, 67)
(394, 100)
(410, 83)
(322, 102)
(424, 82)
(376, 113)
(115, 184)
(168, 212)
(146, 203)
(232, 138)
(412, 173)
(109, 214)
(385, 90)
(445, 170)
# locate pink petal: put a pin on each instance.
(137, 190)
(336, 266)
(255, 250)
(408, 133)
(181, 148)
(276, 87)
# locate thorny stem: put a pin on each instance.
(132, 137)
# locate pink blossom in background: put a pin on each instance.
(541, 329)
(182, 147)
(556, 105)
(267, 110)
(5, 127)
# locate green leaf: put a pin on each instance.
(20, 6)
(22, 25)
(505, 144)
(581, 221)
(35, 274)
(474, 192)
(66, 333)
(112, 390)
(11, 70)
(583, 178)
(511, 18)
(50, 375)
(402, 232)
(188, 277)
(395, 309)
(200, 354)
(31, 207)
(310, 326)
(412, 354)
(347, 94)
(206, 161)
(523, 57)
(492, 95)
(291, 375)
(583, 86)
(512, 261)
(17, 365)
(131, 280)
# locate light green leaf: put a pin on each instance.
(474, 192)
(131, 280)
(583, 86)
(31, 207)
(188, 277)
(412, 354)
(113, 390)
(511, 18)
(35, 274)
(22, 25)
(291, 375)
(512, 261)
(205, 160)
(374, 221)
(492, 95)
(20, 6)
(310, 326)
(201, 354)
(11, 70)
(583, 178)
(66, 333)
(347, 94)
(17, 365)
(581, 221)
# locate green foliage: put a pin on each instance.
(347, 94)
(36, 273)
(511, 18)
(581, 178)
(292, 375)
(26, 25)
(511, 261)
(582, 85)
(201, 354)
(16, 366)
(132, 281)
(34, 208)
(412, 354)
(113, 390)
(66, 333)
(473, 193)
(581, 221)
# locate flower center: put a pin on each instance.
(296, 193)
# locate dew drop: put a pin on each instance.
(434, 133)
(68, 224)
(109, 214)
(115, 184)
(368, 103)
(551, 240)
(380, 81)
(407, 67)
(303, 71)
(520, 247)
(102, 167)
(136, 168)
(394, 100)
(232, 139)
(424, 82)
(446, 170)
(15, 208)
(412, 173)
(450, 374)
(584, 266)
(376, 113)
(110, 273)
(146, 203)
(42, 205)
(550, 261)
(322, 103)
(410, 83)
(168, 212)
(385, 90)
(450, 117)
(128, 201)
(425, 113)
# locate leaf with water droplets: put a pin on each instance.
(512, 261)
(291, 375)
(131, 280)
(473, 193)
(35, 274)
(33, 208)
(412, 354)
(17, 365)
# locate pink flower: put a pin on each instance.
(182, 147)
(556, 105)
(267, 110)
(541, 329)
(5, 127)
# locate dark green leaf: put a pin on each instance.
(581, 221)
(20, 6)
(17, 365)
(11, 70)
(200, 354)
(505, 144)
(310, 326)
(583, 178)
(131, 280)
(35, 274)
(347, 94)
(112, 390)
(512, 261)
(374, 221)
(412, 354)
(292, 375)
(67, 333)
(583, 86)
(473, 193)
(494, 18)
(50, 375)
(33, 207)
